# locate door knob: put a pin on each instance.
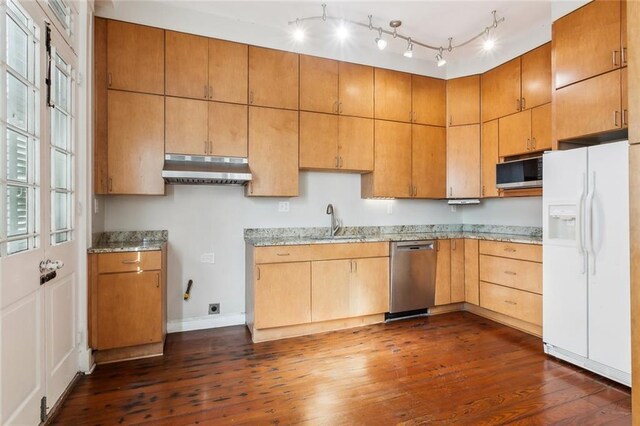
(50, 265)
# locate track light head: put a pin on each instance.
(409, 52)
(342, 32)
(381, 43)
(488, 44)
(298, 34)
(440, 60)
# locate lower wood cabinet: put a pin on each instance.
(127, 304)
(450, 266)
(293, 290)
(471, 272)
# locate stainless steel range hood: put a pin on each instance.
(205, 170)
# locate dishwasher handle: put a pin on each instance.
(414, 246)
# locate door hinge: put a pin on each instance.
(43, 409)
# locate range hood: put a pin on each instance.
(205, 170)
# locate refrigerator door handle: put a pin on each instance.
(579, 233)
(589, 223)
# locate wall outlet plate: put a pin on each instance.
(214, 308)
(207, 258)
(283, 206)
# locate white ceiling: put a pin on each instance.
(527, 24)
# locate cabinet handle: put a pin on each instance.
(438, 245)
(251, 97)
(528, 144)
(615, 118)
(337, 162)
(131, 262)
(206, 144)
(614, 56)
(533, 143)
(623, 54)
(210, 147)
(283, 254)
(334, 107)
(206, 91)
(624, 117)
(523, 104)
(510, 302)
(355, 266)
(258, 273)
(351, 266)
(340, 162)
(450, 120)
(340, 107)
(410, 116)
(510, 273)
(450, 191)
(410, 190)
(109, 184)
(250, 187)
(415, 190)
(453, 244)
(210, 92)
(157, 280)
(415, 116)
(509, 250)
(109, 79)
(483, 190)
(517, 104)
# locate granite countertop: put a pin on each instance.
(128, 241)
(296, 236)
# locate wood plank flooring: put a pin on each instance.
(453, 368)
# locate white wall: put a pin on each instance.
(507, 211)
(203, 219)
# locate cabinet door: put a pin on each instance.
(393, 95)
(369, 286)
(135, 143)
(392, 162)
(463, 100)
(273, 152)
(463, 161)
(356, 90)
(228, 71)
(457, 270)
(135, 57)
(227, 129)
(355, 143)
(186, 128)
(129, 309)
(586, 42)
(490, 158)
(443, 273)
(273, 78)
(186, 65)
(501, 91)
(330, 289)
(318, 84)
(588, 107)
(471, 271)
(515, 134)
(282, 294)
(428, 100)
(429, 161)
(318, 141)
(536, 77)
(541, 128)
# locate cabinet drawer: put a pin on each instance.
(281, 254)
(532, 252)
(514, 303)
(514, 273)
(129, 261)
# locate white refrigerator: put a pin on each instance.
(586, 277)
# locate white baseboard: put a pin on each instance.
(201, 323)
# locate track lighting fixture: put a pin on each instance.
(342, 33)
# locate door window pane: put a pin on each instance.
(17, 102)
(17, 47)
(59, 129)
(60, 170)
(17, 156)
(17, 210)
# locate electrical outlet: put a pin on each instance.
(453, 208)
(283, 206)
(207, 258)
(390, 208)
(214, 308)
(96, 206)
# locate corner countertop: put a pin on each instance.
(298, 236)
(128, 241)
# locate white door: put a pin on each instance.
(609, 268)
(37, 340)
(564, 278)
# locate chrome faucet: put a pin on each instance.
(335, 223)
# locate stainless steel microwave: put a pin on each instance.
(515, 174)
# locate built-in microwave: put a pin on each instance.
(525, 173)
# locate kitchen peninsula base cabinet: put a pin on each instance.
(127, 305)
(304, 289)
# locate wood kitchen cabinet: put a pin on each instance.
(463, 161)
(490, 157)
(273, 152)
(587, 42)
(443, 273)
(355, 90)
(463, 100)
(501, 94)
(318, 84)
(457, 270)
(135, 57)
(428, 161)
(331, 142)
(428, 100)
(228, 71)
(536, 77)
(525, 132)
(135, 143)
(186, 65)
(127, 304)
(393, 95)
(205, 128)
(471, 271)
(273, 78)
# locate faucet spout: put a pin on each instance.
(335, 224)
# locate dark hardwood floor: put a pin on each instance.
(448, 369)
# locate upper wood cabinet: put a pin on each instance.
(273, 78)
(501, 91)
(331, 142)
(355, 90)
(135, 57)
(428, 161)
(228, 71)
(526, 131)
(393, 95)
(428, 100)
(463, 161)
(587, 42)
(490, 158)
(536, 77)
(186, 65)
(135, 143)
(463, 100)
(273, 152)
(227, 129)
(318, 84)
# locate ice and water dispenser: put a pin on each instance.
(562, 221)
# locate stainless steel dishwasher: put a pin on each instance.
(413, 277)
